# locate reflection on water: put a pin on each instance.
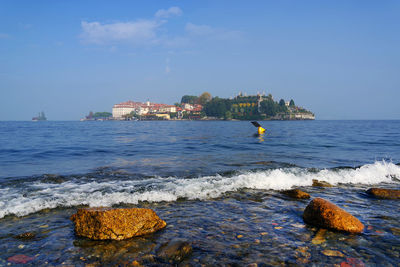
(260, 137)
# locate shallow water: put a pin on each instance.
(214, 183)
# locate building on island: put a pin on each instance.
(149, 110)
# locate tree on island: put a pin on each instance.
(189, 99)
(204, 98)
(217, 107)
(246, 107)
(192, 99)
(99, 115)
(269, 107)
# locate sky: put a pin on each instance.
(339, 59)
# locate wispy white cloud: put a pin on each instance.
(206, 31)
(142, 31)
(199, 29)
(152, 32)
(167, 13)
(138, 32)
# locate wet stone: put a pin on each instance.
(319, 237)
(53, 178)
(296, 193)
(384, 193)
(174, 251)
(26, 236)
(118, 224)
(317, 183)
(322, 213)
(20, 259)
(332, 253)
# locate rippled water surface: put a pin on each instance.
(216, 184)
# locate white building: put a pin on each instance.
(168, 109)
(125, 108)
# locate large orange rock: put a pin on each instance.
(324, 214)
(384, 193)
(108, 223)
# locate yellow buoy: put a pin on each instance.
(260, 129)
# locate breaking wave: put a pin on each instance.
(35, 196)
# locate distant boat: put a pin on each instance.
(40, 117)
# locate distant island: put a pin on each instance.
(206, 107)
(98, 116)
(40, 117)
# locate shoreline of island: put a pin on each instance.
(204, 107)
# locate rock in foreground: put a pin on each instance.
(296, 193)
(384, 193)
(324, 214)
(174, 251)
(117, 224)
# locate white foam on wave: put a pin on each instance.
(72, 193)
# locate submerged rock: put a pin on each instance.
(332, 253)
(53, 178)
(25, 236)
(321, 183)
(174, 251)
(20, 259)
(118, 224)
(296, 193)
(384, 193)
(319, 238)
(324, 214)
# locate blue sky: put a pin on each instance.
(340, 59)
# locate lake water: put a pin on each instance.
(215, 183)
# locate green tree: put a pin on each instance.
(291, 104)
(98, 115)
(282, 106)
(204, 98)
(217, 107)
(190, 99)
(269, 107)
(228, 115)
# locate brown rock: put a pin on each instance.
(108, 223)
(174, 251)
(384, 193)
(332, 253)
(296, 193)
(324, 214)
(321, 183)
(319, 238)
(27, 235)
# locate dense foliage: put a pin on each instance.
(101, 115)
(190, 99)
(244, 107)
